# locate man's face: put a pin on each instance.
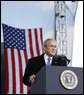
(51, 48)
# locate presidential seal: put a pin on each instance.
(68, 79)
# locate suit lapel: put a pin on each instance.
(42, 59)
(52, 62)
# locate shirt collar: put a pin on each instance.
(46, 57)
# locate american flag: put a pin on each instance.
(19, 46)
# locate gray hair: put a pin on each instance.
(46, 41)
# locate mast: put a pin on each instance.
(60, 27)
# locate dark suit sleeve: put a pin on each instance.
(33, 66)
(27, 74)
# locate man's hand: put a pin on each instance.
(32, 78)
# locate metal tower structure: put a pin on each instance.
(60, 27)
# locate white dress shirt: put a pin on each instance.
(46, 59)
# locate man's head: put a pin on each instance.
(50, 47)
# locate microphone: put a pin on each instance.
(61, 60)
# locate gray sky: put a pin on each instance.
(28, 14)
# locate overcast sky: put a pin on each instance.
(78, 38)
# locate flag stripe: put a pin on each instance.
(30, 42)
(36, 41)
(17, 72)
(23, 69)
(41, 38)
(27, 44)
(33, 42)
(10, 71)
(14, 71)
(20, 71)
(6, 70)
(26, 58)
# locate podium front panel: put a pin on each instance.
(48, 81)
(53, 84)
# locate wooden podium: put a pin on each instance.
(48, 81)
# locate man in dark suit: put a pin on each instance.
(48, 57)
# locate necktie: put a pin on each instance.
(48, 62)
